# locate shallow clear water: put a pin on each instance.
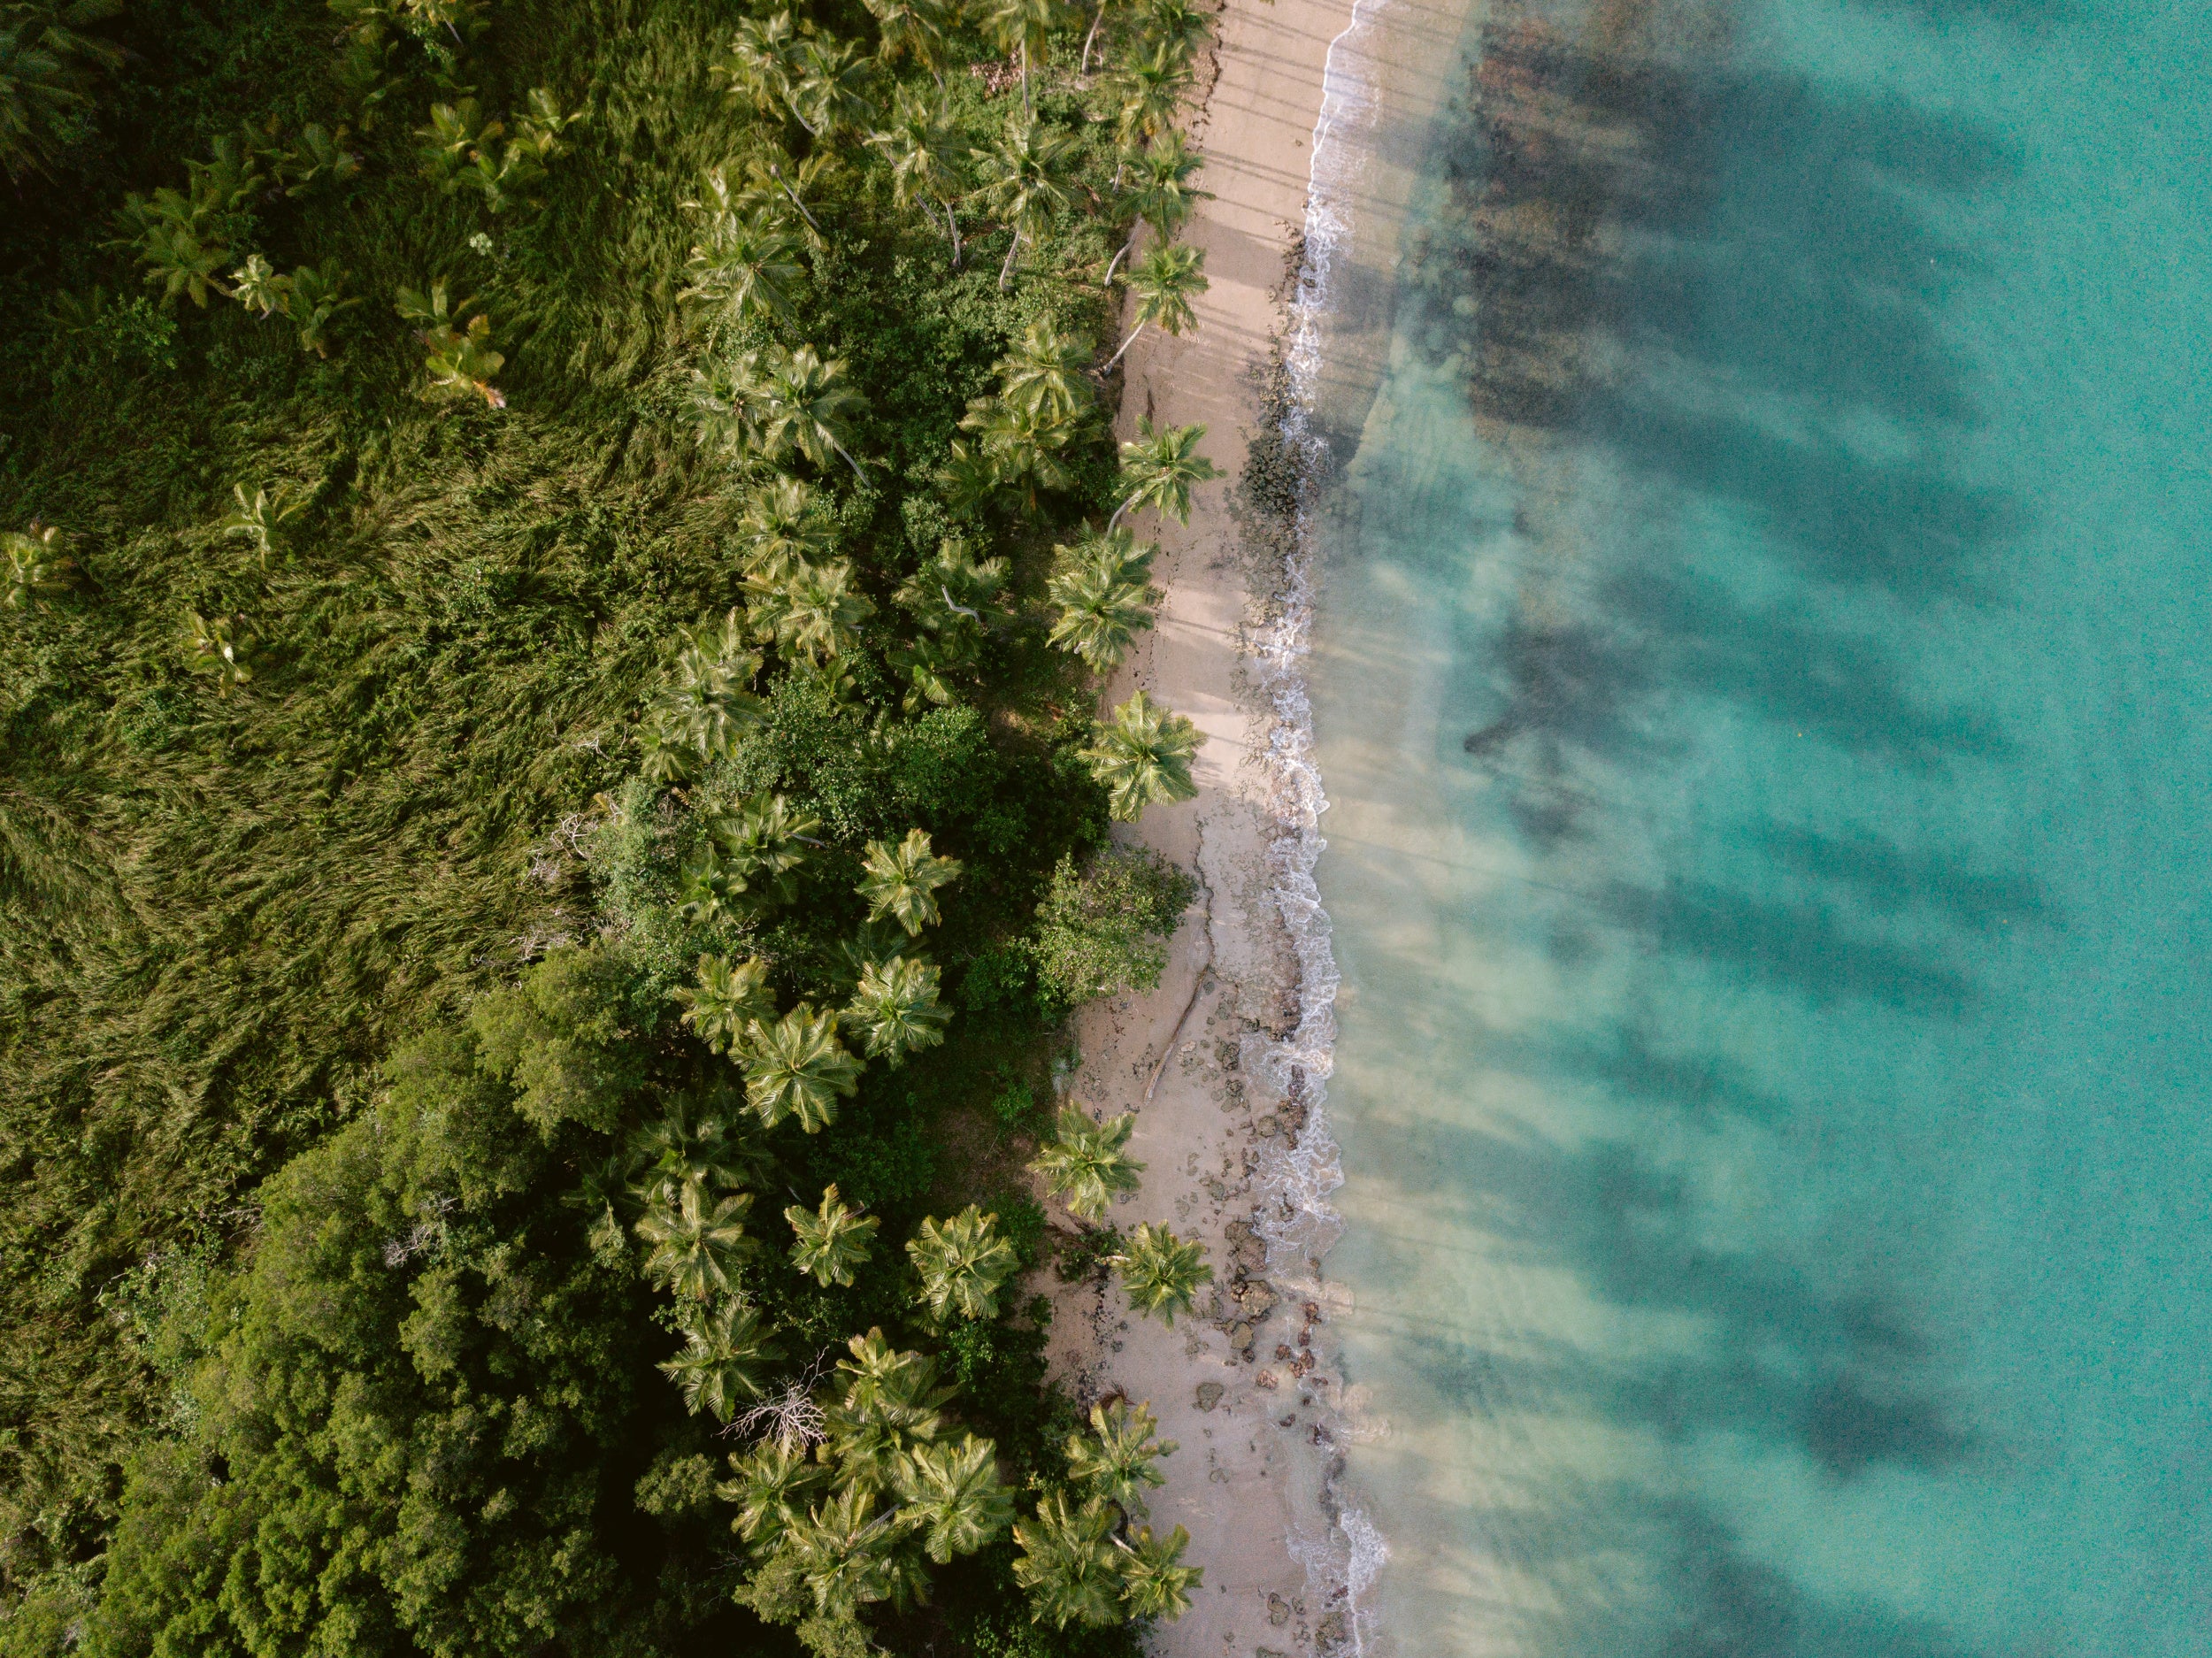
(1761, 682)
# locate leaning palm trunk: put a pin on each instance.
(1110, 361)
(1127, 248)
(1006, 270)
(953, 225)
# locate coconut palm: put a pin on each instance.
(1100, 585)
(1045, 372)
(257, 286)
(1160, 194)
(962, 1262)
(928, 156)
(743, 265)
(954, 1496)
(834, 86)
(39, 564)
(1182, 26)
(705, 705)
(1165, 282)
(1114, 1461)
(902, 880)
(953, 601)
(896, 1007)
(1083, 1163)
(1022, 180)
(797, 1067)
(1067, 1563)
(1022, 445)
(1155, 1583)
(812, 611)
(1142, 755)
(1161, 1272)
(1147, 91)
(218, 647)
(690, 1145)
(761, 69)
(777, 402)
(1160, 468)
(726, 999)
(848, 1555)
(912, 28)
(890, 1401)
(696, 1242)
(46, 67)
(833, 1241)
(723, 1355)
(1022, 26)
(769, 1485)
(780, 530)
(763, 841)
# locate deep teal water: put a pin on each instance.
(1771, 849)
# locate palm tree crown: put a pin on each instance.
(797, 1067)
(1022, 180)
(1162, 1273)
(813, 611)
(780, 530)
(902, 881)
(1142, 755)
(777, 402)
(928, 155)
(1022, 26)
(911, 28)
(1114, 1461)
(1068, 1564)
(1155, 1583)
(726, 999)
(896, 1005)
(696, 1242)
(743, 265)
(962, 1262)
(832, 1242)
(1100, 585)
(1165, 282)
(1083, 1163)
(954, 1496)
(724, 1354)
(768, 1486)
(1045, 372)
(1159, 469)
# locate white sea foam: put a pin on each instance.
(1340, 1549)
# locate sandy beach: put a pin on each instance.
(1216, 1062)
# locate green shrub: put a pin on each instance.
(1105, 927)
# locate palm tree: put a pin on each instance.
(743, 265)
(1148, 91)
(257, 286)
(696, 1242)
(962, 1262)
(1097, 21)
(847, 1555)
(797, 1067)
(1083, 1163)
(1155, 1583)
(1161, 1272)
(707, 704)
(38, 565)
(778, 402)
(1067, 1564)
(1165, 282)
(968, 479)
(902, 881)
(764, 841)
(1142, 755)
(1022, 180)
(260, 518)
(890, 1402)
(456, 346)
(771, 1482)
(1162, 195)
(46, 75)
(928, 156)
(896, 1005)
(813, 611)
(1023, 26)
(1022, 445)
(316, 298)
(722, 1359)
(727, 998)
(834, 87)
(1114, 1461)
(779, 529)
(1180, 25)
(1159, 469)
(954, 1496)
(1045, 373)
(762, 69)
(912, 28)
(833, 1241)
(689, 1146)
(218, 647)
(1100, 585)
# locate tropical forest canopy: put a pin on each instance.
(559, 555)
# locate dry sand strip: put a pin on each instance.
(1245, 1475)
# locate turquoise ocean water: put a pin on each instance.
(1760, 681)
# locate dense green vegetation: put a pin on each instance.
(557, 557)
